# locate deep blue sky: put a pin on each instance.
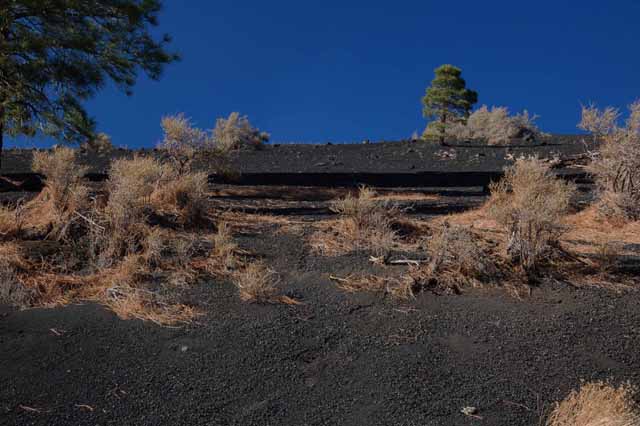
(350, 70)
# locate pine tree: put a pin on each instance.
(447, 100)
(55, 54)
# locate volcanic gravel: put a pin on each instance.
(336, 359)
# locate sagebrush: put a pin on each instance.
(494, 126)
(530, 203)
(459, 257)
(616, 164)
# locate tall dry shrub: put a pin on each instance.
(122, 223)
(495, 126)
(182, 141)
(237, 132)
(616, 165)
(64, 195)
(529, 202)
(141, 187)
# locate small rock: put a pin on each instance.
(184, 348)
(469, 411)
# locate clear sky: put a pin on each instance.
(344, 71)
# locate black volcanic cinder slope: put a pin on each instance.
(339, 359)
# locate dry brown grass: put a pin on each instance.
(364, 223)
(127, 250)
(11, 222)
(222, 259)
(256, 283)
(185, 196)
(597, 404)
(530, 203)
(401, 287)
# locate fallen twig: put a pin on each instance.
(91, 222)
(85, 406)
(382, 260)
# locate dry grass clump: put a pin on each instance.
(529, 203)
(597, 404)
(459, 257)
(365, 223)
(64, 197)
(401, 287)
(256, 283)
(185, 196)
(616, 166)
(222, 259)
(495, 126)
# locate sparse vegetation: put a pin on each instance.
(495, 126)
(365, 223)
(111, 247)
(400, 288)
(184, 143)
(597, 403)
(616, 165)
(529, 202)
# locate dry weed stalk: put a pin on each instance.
(616, 166)
(597, 404)
(530, 202)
